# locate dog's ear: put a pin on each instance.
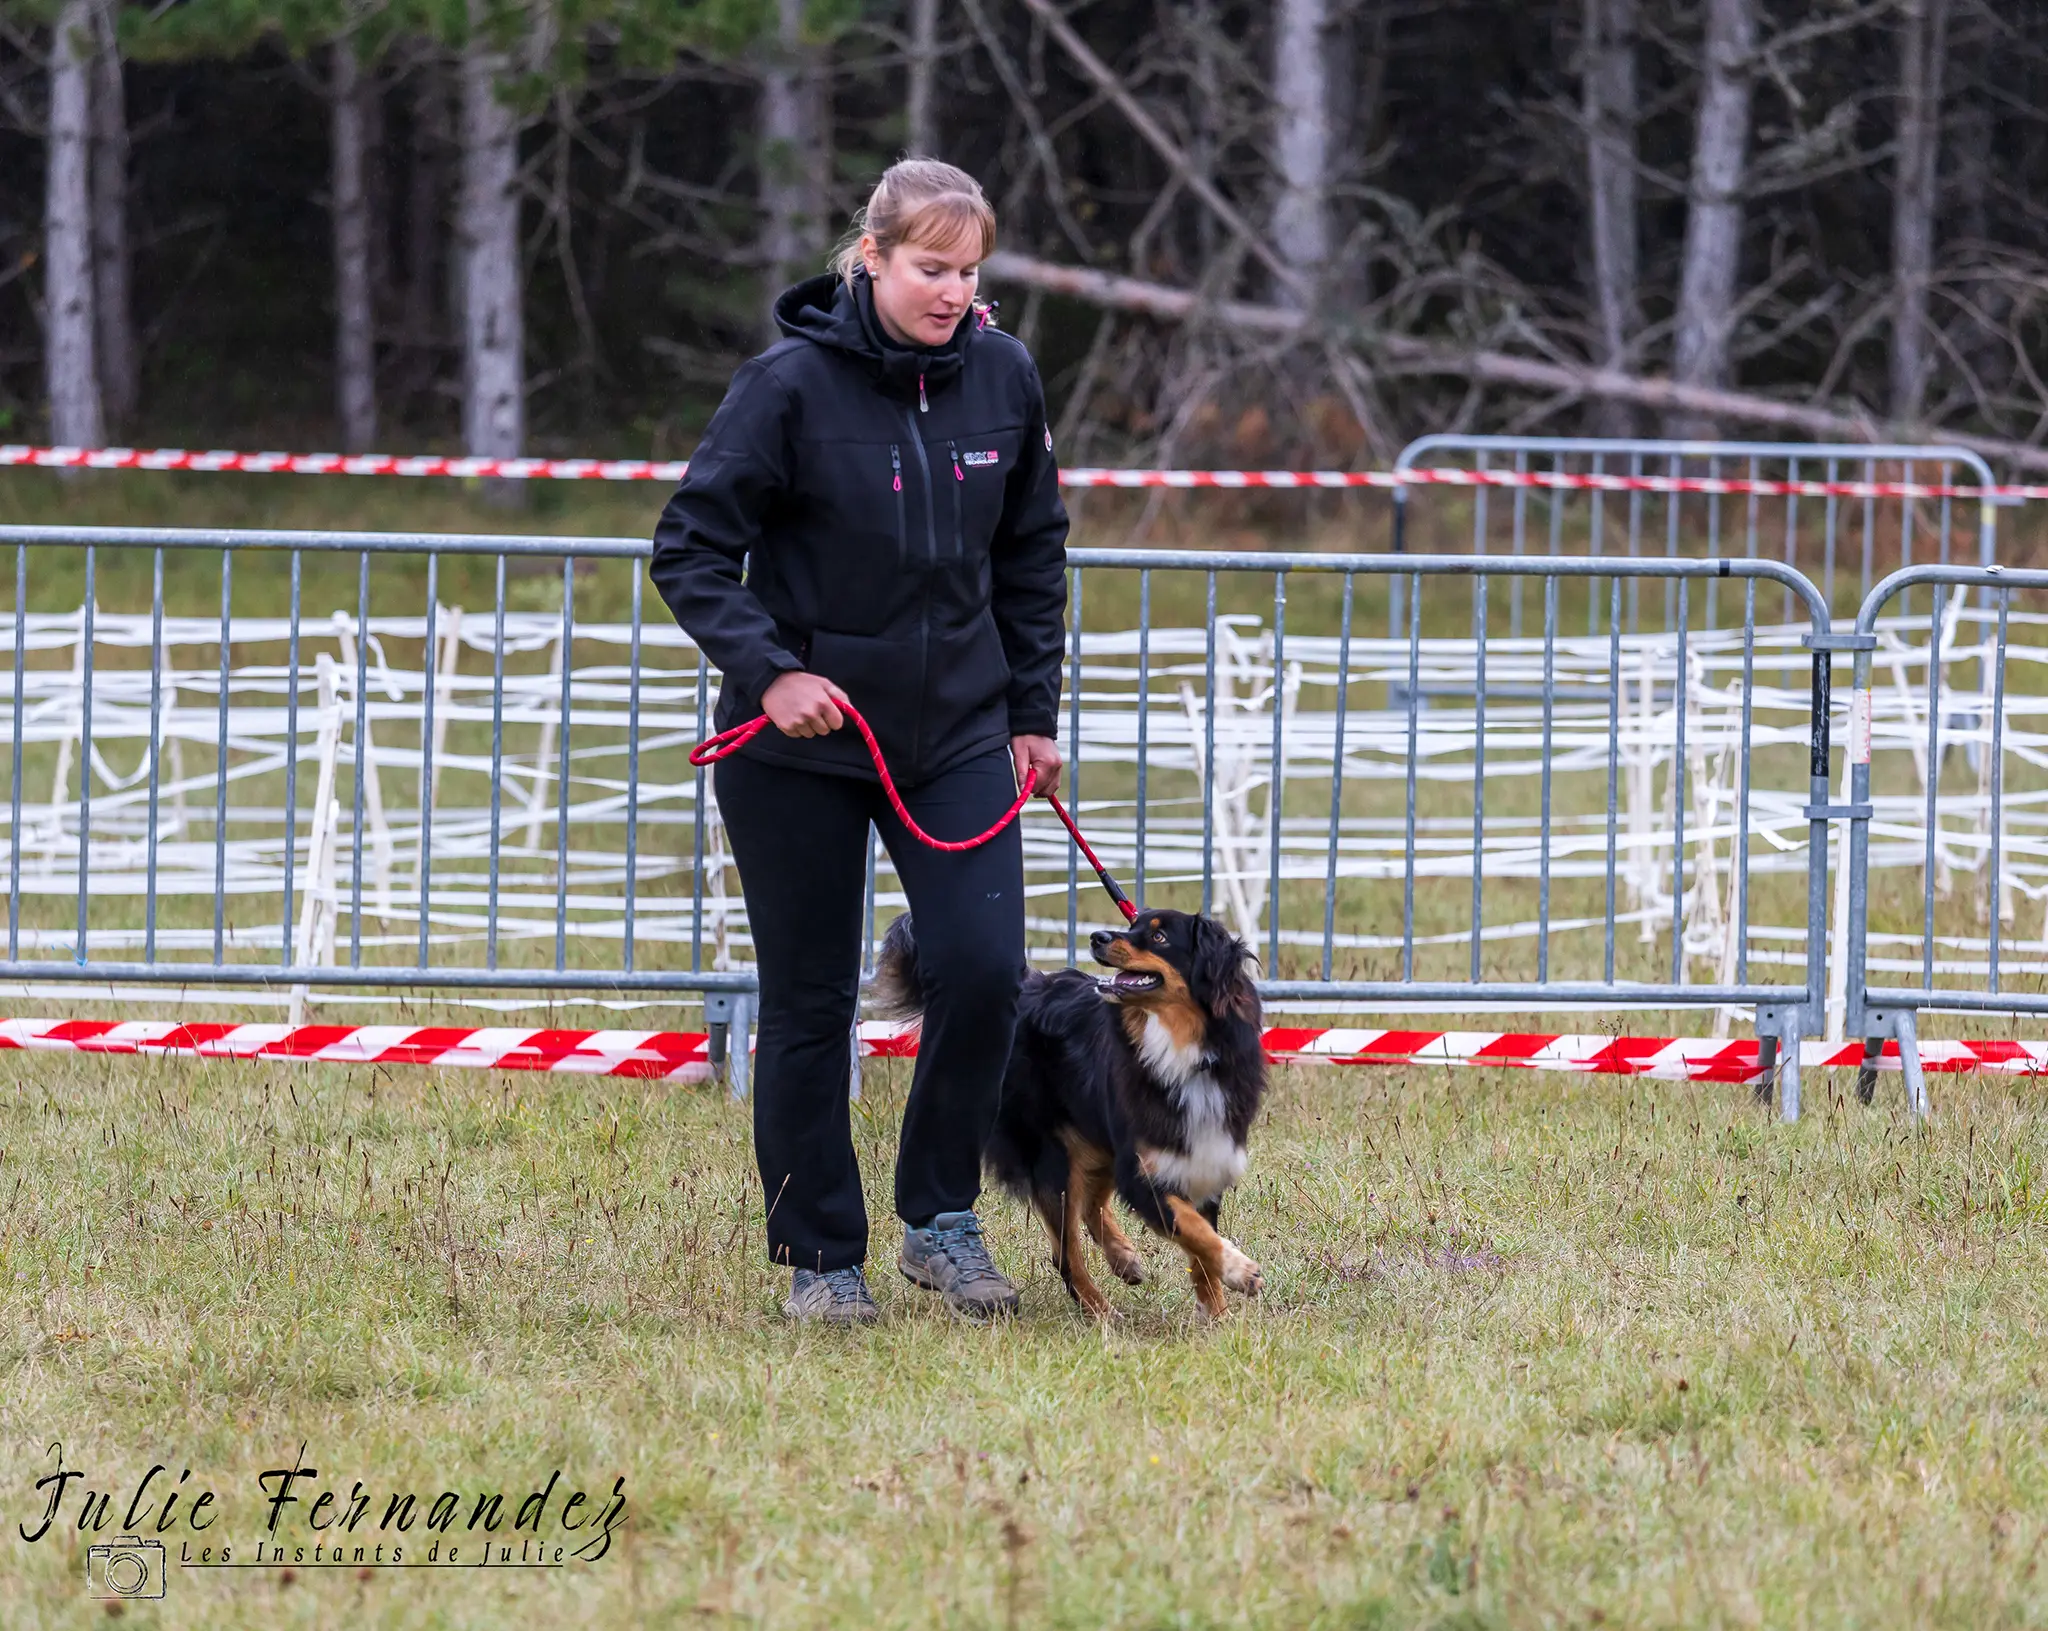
(1220, 975)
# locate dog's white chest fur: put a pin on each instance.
(1213, 1160)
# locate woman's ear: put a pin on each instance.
(1220, 977)
(870, 254)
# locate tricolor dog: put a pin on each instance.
(1142, 1083)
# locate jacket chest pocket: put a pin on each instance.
(978, 469)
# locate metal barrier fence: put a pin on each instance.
(1235, 745)
(1824, 536)
(1443, 817)
(1976, 838)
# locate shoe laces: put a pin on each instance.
(846, 1285)
(962, 1244)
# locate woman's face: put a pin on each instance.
(922, 290)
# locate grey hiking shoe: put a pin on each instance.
(839, 1297)
(949, 1258)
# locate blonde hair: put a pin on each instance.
(918, 201)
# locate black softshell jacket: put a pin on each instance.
(899, 519)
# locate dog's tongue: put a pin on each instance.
(1133, 982)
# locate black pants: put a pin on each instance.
(800, 841)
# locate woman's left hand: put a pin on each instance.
(1037, 761)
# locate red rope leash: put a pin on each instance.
(726, 743)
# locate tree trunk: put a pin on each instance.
(1923, 52)
(117, 351)
(69, 365)
(795, 154)
(1609, 109)
(1713, 219)
(355, 332)
(1301, 140)
(487, 234)
(922, 128)
(425, 190)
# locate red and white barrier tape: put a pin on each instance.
(680, 1054)
(389, 464)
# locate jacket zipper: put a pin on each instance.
(923, 406)
(959, 525)
(902, 527)
(924, 613)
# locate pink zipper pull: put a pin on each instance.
(922, 405)
(954, 449)
(896, 468)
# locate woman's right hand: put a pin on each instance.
(802, 704)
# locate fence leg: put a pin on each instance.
(1788, 1081)
(1766, 1067)
(853, 1067)
(1909, 1063)
(1866, 1073)
(739, 1064)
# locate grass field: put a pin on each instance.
(1535, 1351)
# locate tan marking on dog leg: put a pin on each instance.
(1061, 1222)
(1191, 1232)
(1094, 1171)
(1079, 1281)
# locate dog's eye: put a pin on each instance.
(1158, 937)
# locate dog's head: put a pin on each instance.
(1175, 959)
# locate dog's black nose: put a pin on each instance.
(1101, 938)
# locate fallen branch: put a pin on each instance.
(1403, 354)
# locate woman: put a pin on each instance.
(874, 514)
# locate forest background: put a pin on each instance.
(1271, 232)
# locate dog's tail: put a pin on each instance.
(896, 992)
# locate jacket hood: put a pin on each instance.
(825, 311)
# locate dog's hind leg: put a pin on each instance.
(1057, 1197)
(1094, 1174)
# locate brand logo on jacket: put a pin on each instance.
(976, 460)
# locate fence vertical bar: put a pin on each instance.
(1998, 786)
(1479, 588)
(1713, 543)
(1074, 776)
(497, 768)
(1209, 753)
(85, 761)
(1635, 543)
(156, 743)
(355, 831)
(1742, 777)
(1791, 537)
(1521, 539)
(1337, 776)
(220, 762)
(1829, 513)
(1933, 770)
(1549, 716)
(1408, 828)
(430, 668)
(1596, 543)
(14, 790)
(1674, 467)
(562, 765)
(1613, 765)
(1869, 530)
(632, 771)
(1276, 797)
(1819, 779)
(699, 822)
(291, 759)
(1144, 719)
(1681, 696)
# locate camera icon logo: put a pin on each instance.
(126, 1567)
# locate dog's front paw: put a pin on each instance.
(1240, 1273)
(1128, 1267)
